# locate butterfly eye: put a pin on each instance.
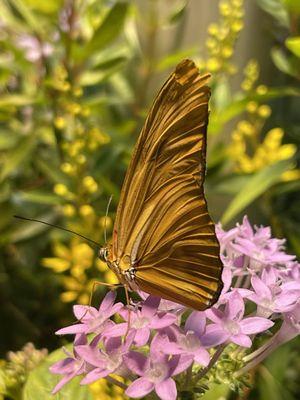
(103, 254)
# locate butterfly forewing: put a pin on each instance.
(162, 227)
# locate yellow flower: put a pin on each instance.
(69, 210)
(90, 184)
(68, 297)
(264, 111)
(261, 89)
(67, 168)
(291, 175)
(252, 107)
(213, 64)
(213, 29)
(60, 122)
(86, 210)
(61, 189)
(110, 277)
(57, 264)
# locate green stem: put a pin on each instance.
(213, 361)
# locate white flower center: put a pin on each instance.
(114, 360)
(157, 372)
(140, 322)
(232, 327)
(189, 341)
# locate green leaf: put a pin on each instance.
(37, 196)
(292, 5)
(24, 230)
(17, 100)
(216, 391)
(41, 382)
(221, 95)
(238, 105)
(284, 63)
(51, 170)
(27, 15)
(17, 155)
(107, 32)
(276, 9)
(293, 44)
(254, 187)
(170, 60)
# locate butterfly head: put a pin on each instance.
(103, 254)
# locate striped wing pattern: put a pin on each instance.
(162, 226)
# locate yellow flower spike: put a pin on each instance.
(213, 64)
(84, 298)
(67, 168)
(57, 264)
(86, 210)
(60, 189)
(261, 89)
(273, 138)
(286, 151)
(81, 159)
(60, 122)
(264, 111)
(227, 51)
(74, 108)
(245, 127)
(77, 271)
(291, 175)
(62, 251)
(225, 8)
(68, 297)
(237, 26)
(71, 283)
(90, 184)
(69, 210)
(211, 43)
(213, 29)
(251, 107)
(83, 254)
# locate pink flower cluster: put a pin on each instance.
(158, 340)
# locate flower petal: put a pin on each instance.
(261, 288)
(72, 329)
(136, 362)
(196, 322)
(241, 340)
(108, 301)
(235, 307)
(214, 335)
(166, 390)
(255, 325)
(178, 363)
(94, 375)
(150, 306)
(139, 388)
(91, 355)
(202, 357)
(162, 322)
(142, 336)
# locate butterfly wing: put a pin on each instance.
(162, 226)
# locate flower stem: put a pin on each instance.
(116, 382)
(212, 362)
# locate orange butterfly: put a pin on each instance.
(164, 241)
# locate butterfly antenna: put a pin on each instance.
(58, 227)
(105, 219)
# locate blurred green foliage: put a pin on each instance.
(76, 80)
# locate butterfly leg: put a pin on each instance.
(129, 311)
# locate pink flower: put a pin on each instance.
(229, 326)
(105, 361)
(71, 366)
(91, 319)
(155, 373)
(186, 341)
(142, 321)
